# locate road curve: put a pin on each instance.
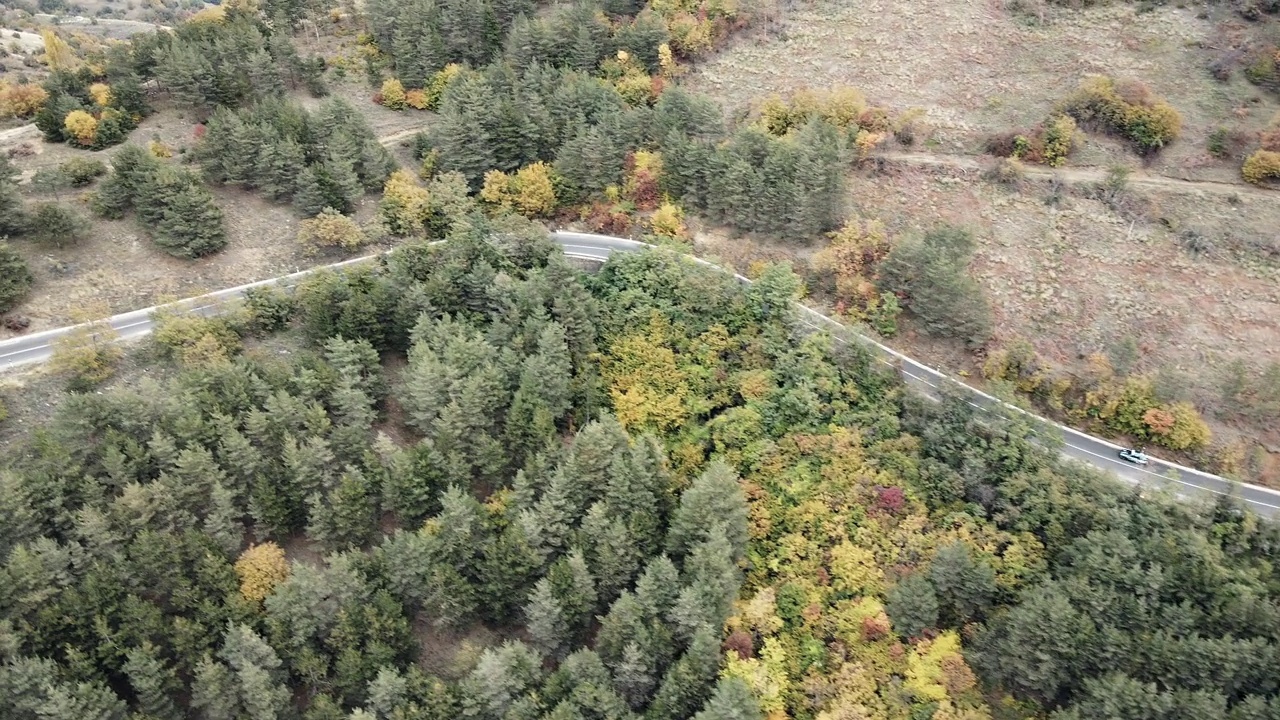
(1181, 480)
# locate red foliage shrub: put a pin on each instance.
(874, 628)
(607, 219)
(199, 130)
(890, 499)
(741, 642)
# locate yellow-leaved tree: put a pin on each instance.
(330, 229)
(58, 55)
(668, 221)
(101, 94)
(406, 205)
(393, 95)
(648, 387)
(82, 126)
(531, 191)
(89, 353)
(260, 569)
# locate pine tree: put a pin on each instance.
(612, 553)
(279, 168)
(470, 30)
(714, 500)
(711, 584)
(13, 219)
(343, 184)
(658, 587)
(964, 585)
(589, 161)
(15, 278)
(192, 224)
(575, 589)
(309, 196)
(912, 605)
(687, 684)
(256, 667)
(264, 74)
(585, 54)
(80, 701)
(353, 416)
(732, 700)
(153, 683)
(223, 520)
(213, 691)
(412, 489)
(509, 563)
(347, 518)
(633, 676)
(463, 135)
(546, 621)
(387, 692)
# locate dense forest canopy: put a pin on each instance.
(663, 498)
(474, 480)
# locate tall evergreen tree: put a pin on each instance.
(688, 683)
(153, 683)
(732, 700)
(545, 618)
(714, 500)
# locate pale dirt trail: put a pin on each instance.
(1079, 175)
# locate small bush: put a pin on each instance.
(1048, 143)
(88, 354)
(1129, 110)
(57, 226)
(1007, 171)
(82, 171)
(393, 95)
(15, 278)
(416, 99)
(177, 332)
(270, 308)
(668, 221)
(330, 229)
(1261, 166)
(1264, 69)
(22, 100)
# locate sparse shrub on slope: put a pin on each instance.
(1048, 143)
(1128, 109)
(1261, 166)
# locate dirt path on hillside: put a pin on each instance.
(1080, 175)
(393, 138)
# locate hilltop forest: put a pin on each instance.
(653, 492)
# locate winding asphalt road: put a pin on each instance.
(1181, 480)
